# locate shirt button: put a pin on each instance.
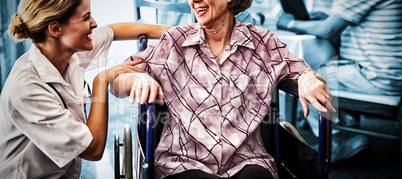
(216, 108)
(218, 77)
(217, 138)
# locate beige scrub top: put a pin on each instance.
(39, 137)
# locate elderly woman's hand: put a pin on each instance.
(144, 88)
(313, 89)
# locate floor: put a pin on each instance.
(381, 161)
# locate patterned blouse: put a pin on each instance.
(215, 108)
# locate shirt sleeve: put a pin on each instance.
(52, 128)
(155, 55)
(285, 64)
(102, 39)
(353, 10)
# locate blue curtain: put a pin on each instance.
(10, 50)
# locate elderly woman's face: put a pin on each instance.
(209, 11)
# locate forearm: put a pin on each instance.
(327, 29)
(126, 31)
(97, 120)
(121, 86)
(313, 27)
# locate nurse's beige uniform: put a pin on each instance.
(39, 136)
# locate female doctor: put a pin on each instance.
(44, 131)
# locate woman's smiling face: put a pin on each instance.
(209, 12)
(77, 31)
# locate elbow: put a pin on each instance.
(325, 33)
(93, 152)
(97, 157)
(92, 156)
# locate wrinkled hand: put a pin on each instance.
(144, 87)
(313, 89)
(284, 20)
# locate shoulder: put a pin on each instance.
(23, 80)
(104, 31)
(181, 31)
(250, 26)
(255, 33)
(102, 36)
(27, 94)
(355, 10)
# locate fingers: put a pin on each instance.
(318, 99)
(134, 60)
(325, 99)
(132, 94)
(139, 90)
(318, 105)
(141, 93)
(155, 92)
(304, 105)
(328, 105)
(160, 95)
(152, 93)
(145, 89)
(313, 89)
(145, 93)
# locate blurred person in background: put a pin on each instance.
(370, 58)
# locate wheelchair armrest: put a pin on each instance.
(324, 149)
(290, 87)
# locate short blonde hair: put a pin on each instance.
(34, 16)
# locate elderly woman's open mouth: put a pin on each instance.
(201, 10)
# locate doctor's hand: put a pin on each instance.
(110, 74)
(312, 88)
(144, 88)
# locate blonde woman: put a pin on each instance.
(44, 131)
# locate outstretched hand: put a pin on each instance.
(313, 89)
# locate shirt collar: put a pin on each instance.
(46, 70)
(241, 36)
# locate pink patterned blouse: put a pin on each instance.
(215, 108)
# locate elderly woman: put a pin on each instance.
(216, 77)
